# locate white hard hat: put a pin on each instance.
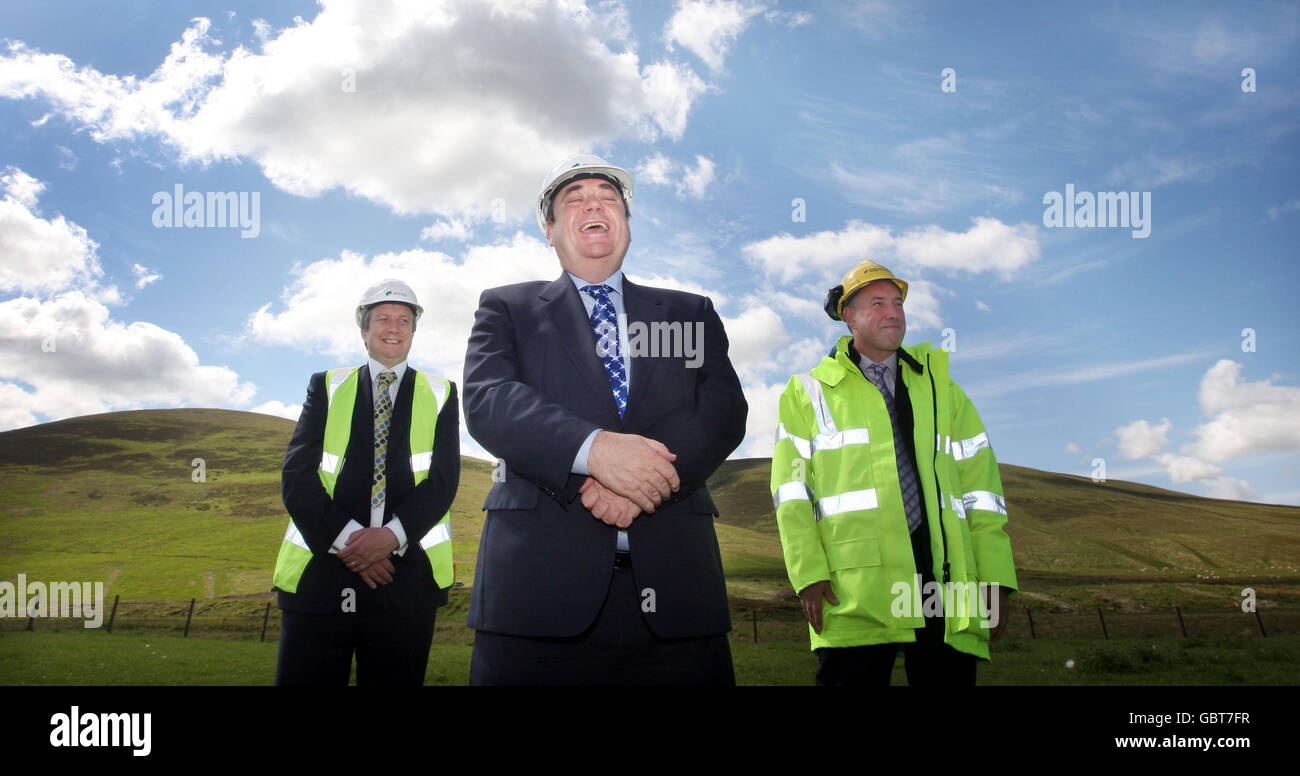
(567, 170)
(384, 292)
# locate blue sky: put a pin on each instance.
(773, 146)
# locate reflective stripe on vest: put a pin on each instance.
(341, 390)
(983, 499)
(967, 448)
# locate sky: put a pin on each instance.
(1152, 338)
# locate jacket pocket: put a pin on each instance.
(853, 553)
(515, 493)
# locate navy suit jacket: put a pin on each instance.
(534, 390)
(320, 518)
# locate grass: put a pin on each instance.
(97, 658)
(112, 498)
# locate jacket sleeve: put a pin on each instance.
(317, 517)
(981, 484)
(704, 433)
(793, 486)
(535, 436)
(427, 502)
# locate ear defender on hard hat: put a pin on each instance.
(832, 303)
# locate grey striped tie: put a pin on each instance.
(906, 472)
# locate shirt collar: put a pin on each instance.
(614, 281)
(376, 368)
(890, 364)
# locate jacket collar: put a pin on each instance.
(838, 365)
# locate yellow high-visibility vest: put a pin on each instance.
(341, 389)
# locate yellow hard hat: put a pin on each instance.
(858, 278)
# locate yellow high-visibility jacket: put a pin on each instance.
(840, 510)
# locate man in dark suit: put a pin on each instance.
(369, 477)
(598, 562)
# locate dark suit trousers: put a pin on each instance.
(392, 648)
(928, 661)
(619, 649)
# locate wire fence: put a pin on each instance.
(257, 619)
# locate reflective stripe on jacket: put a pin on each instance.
(840, 510)
(341, 387)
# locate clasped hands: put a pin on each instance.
(366, 552)
(630, 474)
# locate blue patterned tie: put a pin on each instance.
(383, 419)
(906, 473)
(604, 320)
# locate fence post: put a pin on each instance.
(112, 616)
(189, 617)
(266, 617)
(1030, 615)
(1104, 632)
(1181, 624)
(1260, 620)
(755, 613)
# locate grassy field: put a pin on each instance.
(96, 658)
(117, 498)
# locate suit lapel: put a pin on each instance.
(562, 304)
(645, 310)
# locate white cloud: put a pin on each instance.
(1248, 416)
(1140, 439)
(279, 409)
(694, 182)
(754, 335)
(760, 425)
(655, 170)
(1231, 488)
(1012, 383)
(316, 313)
(1185, 468)
(659, 170)
(988, 246)
(67, 159)
(1072, 448)
(708, 29)
(981, 306)
(143, 276)
(791, 19)
(1153, 171)
(78, 361)
(920, 178)
(36, 254)
(393, 102)
(452, 229)
(1290, 205)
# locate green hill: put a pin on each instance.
(116, 497)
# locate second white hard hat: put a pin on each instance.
(388, 291)
(574, 166)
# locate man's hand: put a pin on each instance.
(1003, 609)
(634, 467)
(367, 547)
(811, 598)
(606, 505)
(380, 573)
